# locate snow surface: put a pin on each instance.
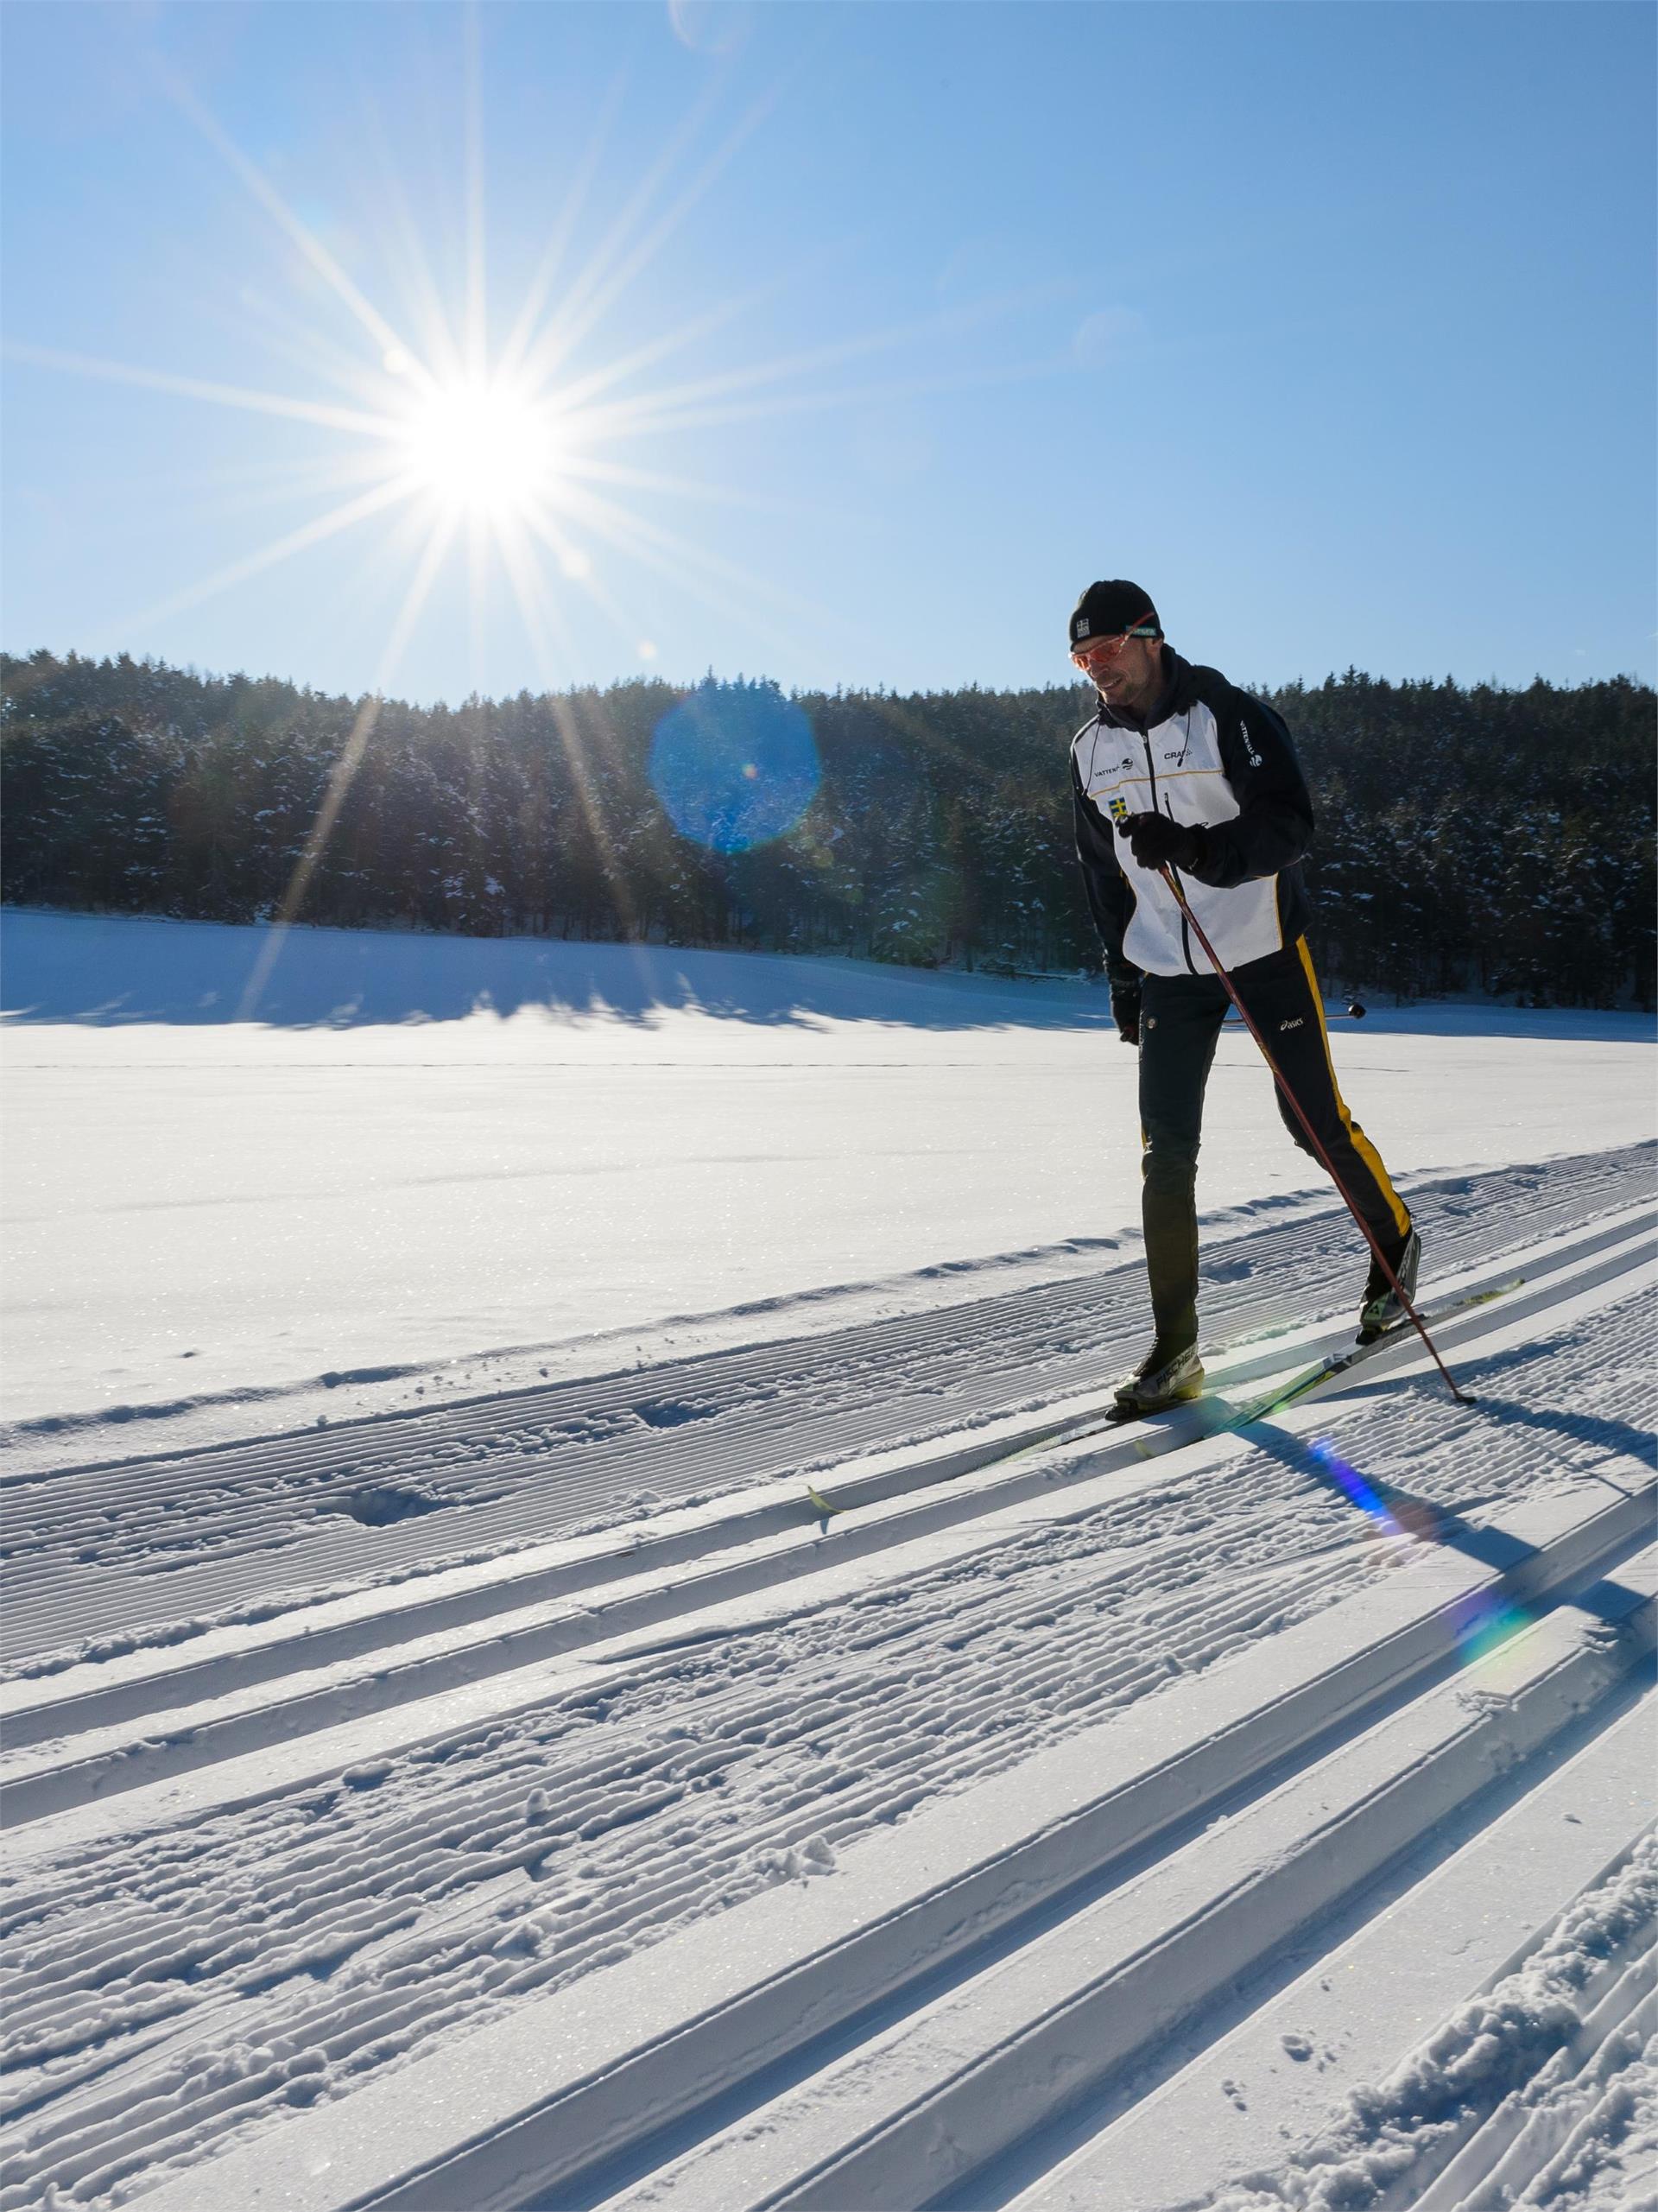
(450, 1758)
(377, 1175)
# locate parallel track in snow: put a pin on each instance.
(322, 1902)
(177, 1714)
(153, 1548)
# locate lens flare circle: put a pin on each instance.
(735, 765)
(482, 448)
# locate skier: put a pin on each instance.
(1198, 777)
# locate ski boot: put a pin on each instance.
(1381, 1309)
(1162, 1378)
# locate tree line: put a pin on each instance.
(1469, 838)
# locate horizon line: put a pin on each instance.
(598, 686)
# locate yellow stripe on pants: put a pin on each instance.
(1360, 1143)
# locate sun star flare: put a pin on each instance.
(482, 448)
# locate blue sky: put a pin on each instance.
(881, 329)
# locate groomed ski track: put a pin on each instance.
(416, 1813)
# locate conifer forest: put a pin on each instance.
(1469, 839)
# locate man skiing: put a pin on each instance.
(1200, 778)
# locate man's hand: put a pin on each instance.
(1125, 1011)
(1158, 842)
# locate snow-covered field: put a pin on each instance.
(451, 1760)
(377, 1177)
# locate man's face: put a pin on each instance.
(1134, 674)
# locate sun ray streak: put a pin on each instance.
(339, 779)
(515, 563)
(697, 418)
(557, 244)
(571, 396)
(265, 480)
(432, 560)
(441, 353)
(120, 372)
(541, 357)
(564, 338)
(312, 533)
(302, 345)
(477, 577)
(229, 488)
(478, 343)
(643, 544)
(691, 487)
(241, 489)
(281, 213)
(688, 560)
(922, 733)
(343, 772)
(543, 525)
(930, 330)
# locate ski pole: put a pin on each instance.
(1167, 875)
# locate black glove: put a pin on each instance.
(1157, 841)
(1125, 1011)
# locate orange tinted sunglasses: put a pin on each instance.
(1099, 652)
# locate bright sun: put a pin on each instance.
(482, 448)
(460, 435)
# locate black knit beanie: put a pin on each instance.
(1105, 609)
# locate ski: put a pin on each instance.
(1311, 1379)
(1208, 1413)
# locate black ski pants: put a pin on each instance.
(1179, 1021)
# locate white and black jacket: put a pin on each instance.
(1223, 764)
